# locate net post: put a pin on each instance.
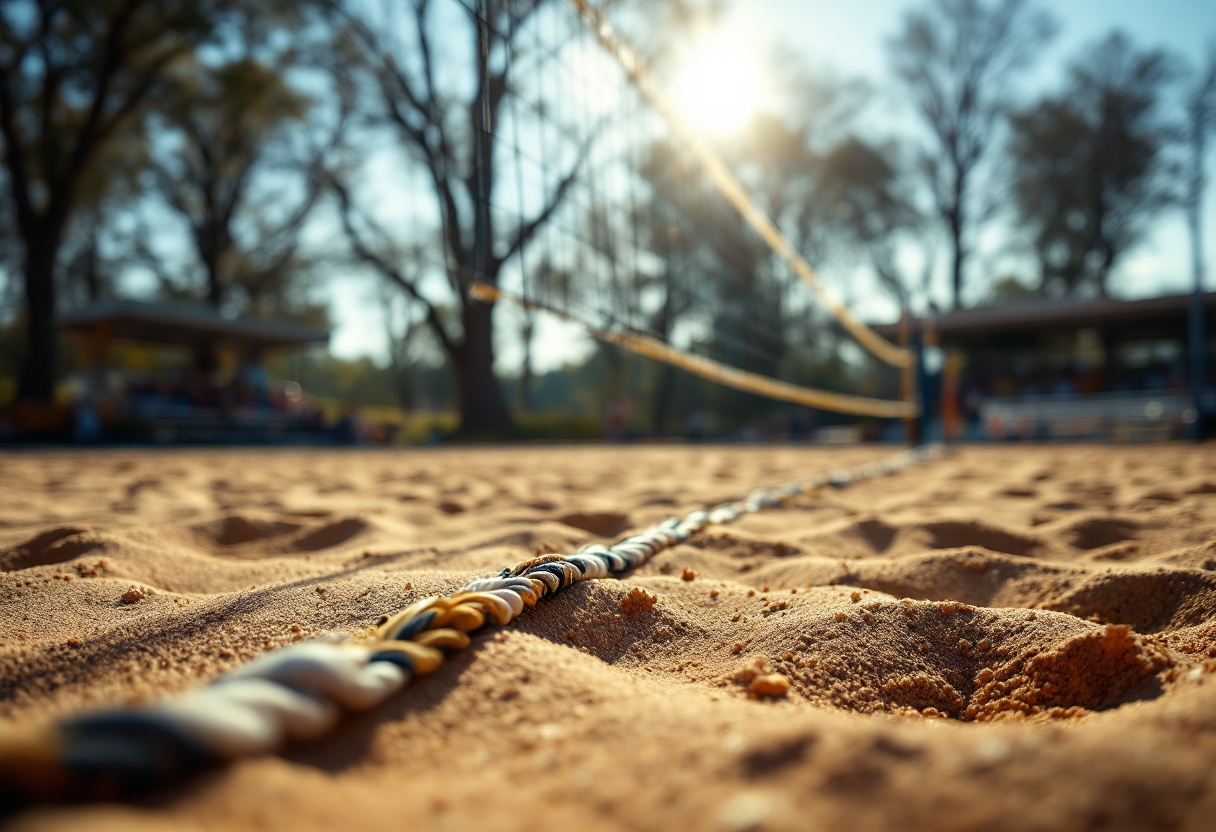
(1198, 349)
(919, 425)
(907, 375)
(483, 129)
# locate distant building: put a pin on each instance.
(180, 372)
(1041, 369)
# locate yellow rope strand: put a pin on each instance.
(716, 371)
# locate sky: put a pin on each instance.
(849, 39)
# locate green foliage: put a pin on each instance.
(558, 427)
(73, 75)
(1010, 288)
(360, 381)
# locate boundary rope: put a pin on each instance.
(716, 371)
(729, 185)
(297, 693)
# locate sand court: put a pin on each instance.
(1014, 637)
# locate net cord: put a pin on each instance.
(729, 185)
(715, 371)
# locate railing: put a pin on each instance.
(1138, 415)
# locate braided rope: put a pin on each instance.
(296, 693)
(716, 371)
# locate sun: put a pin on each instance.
(720, 84)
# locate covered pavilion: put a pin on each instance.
(201, 399)
(1070, 368)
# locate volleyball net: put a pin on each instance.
(611, 216)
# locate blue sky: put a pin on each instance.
(849, 38)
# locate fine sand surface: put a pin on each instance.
(1009, 638)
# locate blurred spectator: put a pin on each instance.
(350, 429)
(695, 425)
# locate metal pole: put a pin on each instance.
(1196, 328)
(1198, 339)
(921, 424)
(907, 377)
(483, 148)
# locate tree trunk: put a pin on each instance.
(661, 400)
(37, 380)
(483, 410)
(660, 404)
(403, 383)
(92, 272)
(1197, 324)
(215, 285)
(525, 376)
(956, 260)
(1108, 262)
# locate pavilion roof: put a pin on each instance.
(188, 324)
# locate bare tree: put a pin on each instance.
(454, 139)
(222, 128)
(94, 249)
(1090, 163)
(71, 74)
(867, 207)
(958, 59)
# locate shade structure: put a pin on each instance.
(186, 324)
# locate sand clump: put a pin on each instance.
(132, 595)
(1006, 638)
(1088, 671)
(637, 601)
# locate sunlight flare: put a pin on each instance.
(720, 85)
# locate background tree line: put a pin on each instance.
(218, 150)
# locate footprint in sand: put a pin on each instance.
(236, 529)
(235, 535)
(877, 535)
(602, 523)
(331, 534)
(1095, 532)
(52, 546)
(957, 534)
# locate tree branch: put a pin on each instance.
(15, 158)
(387, 269)
(528, 230)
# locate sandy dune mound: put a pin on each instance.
(1150, 601)
(858, 650)
(57, 545)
